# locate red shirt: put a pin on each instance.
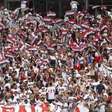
(45, 107)
(110, 99)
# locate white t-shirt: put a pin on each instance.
(23, 4)
(82, 108)
(51, 93)
(102, 108)
(17, 70)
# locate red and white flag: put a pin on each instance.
(58, 21)
(51, 14)
(69, 13)
(81, 108)
(64, 31)
(7, 109)
(25, 108)
(11, 39)
(74, 46)
(32, 48)
(47, 19)
(3, 60)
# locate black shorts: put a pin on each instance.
(50, 100)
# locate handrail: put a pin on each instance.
(99, 5)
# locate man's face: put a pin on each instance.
(73, 4)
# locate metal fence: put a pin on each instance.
(58, 6)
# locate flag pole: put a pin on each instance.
(33, 5)
(86, 4)
(5, 3)
(46, 3)
(101, 2)
(60, 7)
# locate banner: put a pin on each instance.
(24, 108)
(7, 109)
(16, 108)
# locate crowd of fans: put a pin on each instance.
(62, 62)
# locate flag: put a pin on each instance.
(47, 19)
(42, 29)
(69, 13)
(2, 59)
(77, 47)
(9, 55)
(74, 46)
(42, 107)
(86, 33)
(64, 31)
(71, 21)
(1, 56)
(7, 109)
(80, 14)
(82, 46)
(58, 21)
(51, 14)
(11, 39)
(32, 48)
(104, 27)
